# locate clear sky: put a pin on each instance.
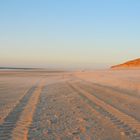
(68, 33)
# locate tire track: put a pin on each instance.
(125, 103)
(120, 91)
(7, 107)
(128, 125)
(27, 115)
(102, 123)
(10, 122)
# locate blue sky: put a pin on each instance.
(69, 33)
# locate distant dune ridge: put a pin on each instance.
(133, 64)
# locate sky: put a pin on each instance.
(69, 33)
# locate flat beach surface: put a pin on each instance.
(56, 105)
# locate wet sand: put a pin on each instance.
(95, 105)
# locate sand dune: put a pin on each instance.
(133, 64)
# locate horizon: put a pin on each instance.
(69, 34)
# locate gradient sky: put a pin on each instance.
(68, 33)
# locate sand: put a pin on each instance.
(91, 105)
(133, 64)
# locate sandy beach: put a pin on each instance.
(90, 105)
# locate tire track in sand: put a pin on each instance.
(20, 132)
(128, 125)
(16, 104)
(123, 102)
(9, 122)
(15, 125)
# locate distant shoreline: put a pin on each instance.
(16, 68)
(30, 69)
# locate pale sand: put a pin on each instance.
(93, 105)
